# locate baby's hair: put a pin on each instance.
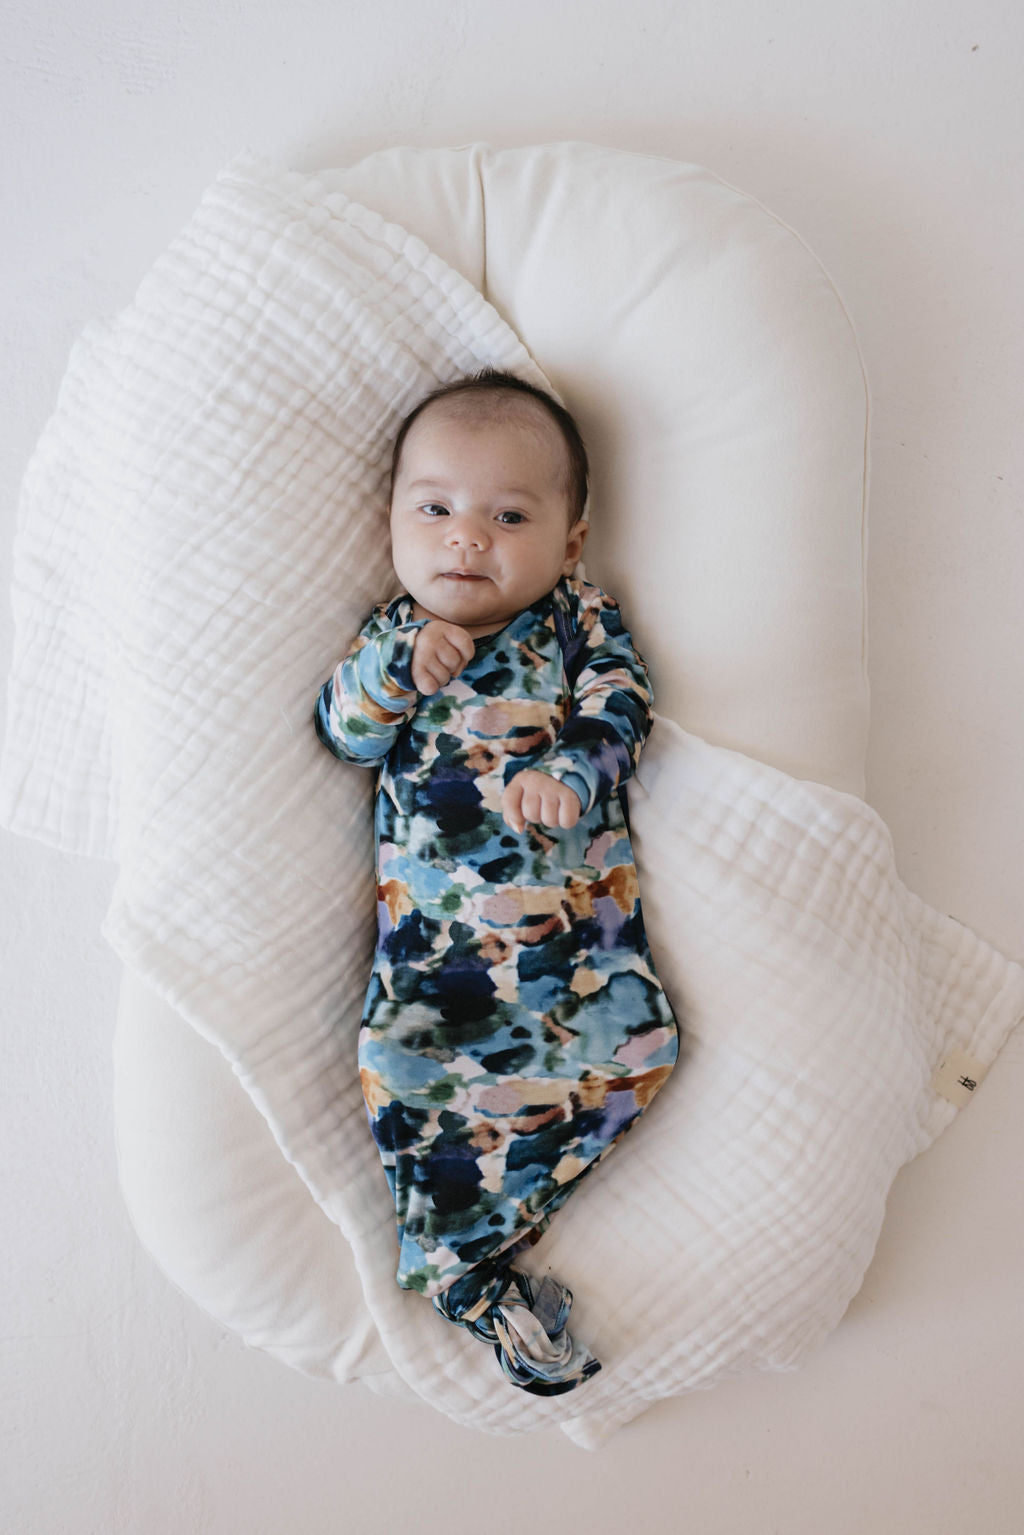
(490, 381)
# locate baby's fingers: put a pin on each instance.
(534, 797)
(440, 653)
(463, 644)
(427, 678)
(451, 656)
(535, 802)
(512, 806)
(429, 671)
(553, 805)
(569, 807)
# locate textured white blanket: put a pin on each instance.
(202, 531)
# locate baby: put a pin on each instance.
(514, 1026)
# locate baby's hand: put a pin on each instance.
(533, 796)
(440, 652)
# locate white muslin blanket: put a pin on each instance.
(202, 532)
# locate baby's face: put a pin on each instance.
(480, 515)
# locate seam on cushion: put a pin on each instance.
(483, 223)
(864, 524)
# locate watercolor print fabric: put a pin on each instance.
(514, 1026)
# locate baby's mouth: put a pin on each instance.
(463, 575)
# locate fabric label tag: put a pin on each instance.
(958, 1078)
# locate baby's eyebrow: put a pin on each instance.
(521, 491)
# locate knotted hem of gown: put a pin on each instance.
(525, 1319)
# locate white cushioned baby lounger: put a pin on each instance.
(716, 378)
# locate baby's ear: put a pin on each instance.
(574, 545)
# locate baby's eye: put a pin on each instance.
(511, 517)
(434, 509)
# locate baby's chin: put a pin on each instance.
(474, 611)
(475, 624)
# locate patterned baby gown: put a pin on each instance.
(514, 1026)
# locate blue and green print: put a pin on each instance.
(514, 1027)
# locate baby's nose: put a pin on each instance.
(467, 534)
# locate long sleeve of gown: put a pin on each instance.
(370, 697)
(598, 746)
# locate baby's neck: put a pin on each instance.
(475, 631)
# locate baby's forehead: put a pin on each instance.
(485, 408)
(480, 412)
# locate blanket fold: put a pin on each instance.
(201, 533)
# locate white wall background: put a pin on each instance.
(890, 135)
